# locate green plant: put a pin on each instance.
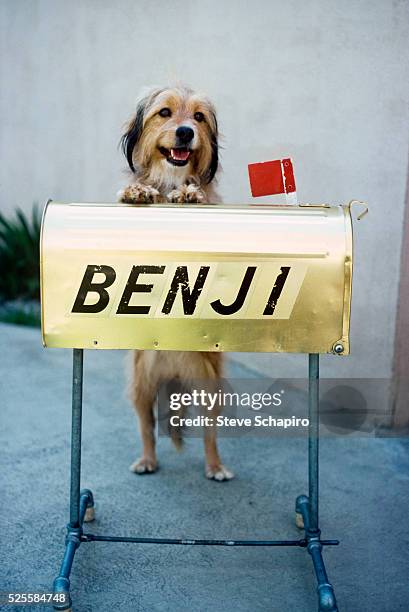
(20, 256)
(18, 316)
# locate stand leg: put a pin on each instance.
(313, 440)
(307, 508)
(81, 502)
(76, 430)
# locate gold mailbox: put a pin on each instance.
(197, 278)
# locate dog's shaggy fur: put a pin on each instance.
(171, 145)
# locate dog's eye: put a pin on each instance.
(165, 112)
(199, 116)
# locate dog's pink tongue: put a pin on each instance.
(180, 154)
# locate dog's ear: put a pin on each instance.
(130, 139)
(214, 161)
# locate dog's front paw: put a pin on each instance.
(187, 194)
(138, 194)
(218, 472)
(144, 465)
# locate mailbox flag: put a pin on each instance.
(273, 177)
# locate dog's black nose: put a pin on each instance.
(184, 134)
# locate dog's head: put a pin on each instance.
(173, 133)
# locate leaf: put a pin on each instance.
(19, 255)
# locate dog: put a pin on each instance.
(171, 145)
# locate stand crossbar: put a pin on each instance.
(306, 509)
(89, 537)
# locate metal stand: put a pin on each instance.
(306, 508)
(82, 502)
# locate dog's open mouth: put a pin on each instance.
(178, 156)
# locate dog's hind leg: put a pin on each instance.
(143, 399)
(147, 463)
(214, 470)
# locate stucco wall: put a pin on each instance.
(325, 82)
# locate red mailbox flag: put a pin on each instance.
(273, 177)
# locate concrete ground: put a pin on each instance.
(364, 503)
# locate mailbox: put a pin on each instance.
(197, 278)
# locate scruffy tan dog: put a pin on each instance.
(171, 145)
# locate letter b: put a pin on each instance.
(87, 286)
